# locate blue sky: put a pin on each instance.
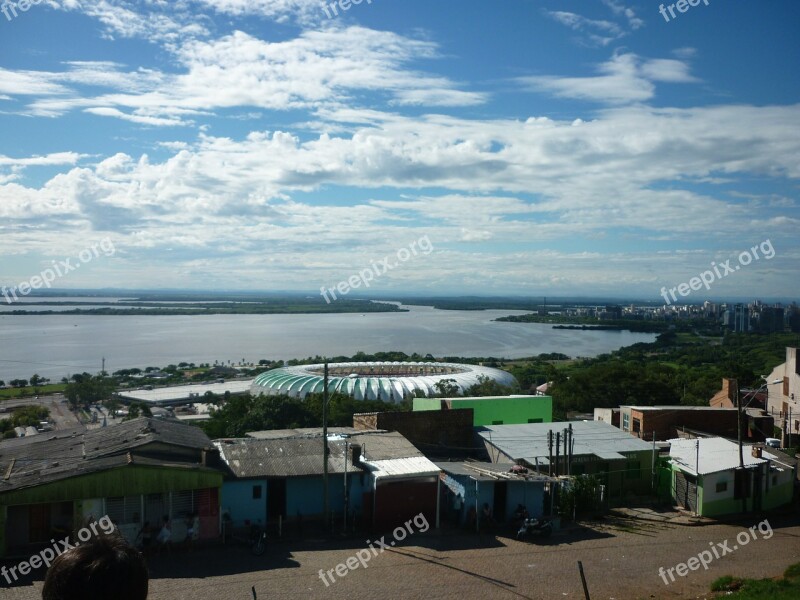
(552, 147)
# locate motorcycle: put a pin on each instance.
(258, 540)
(533, 527)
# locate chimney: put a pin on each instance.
(729, 387)
(356, 450)
(756, 451)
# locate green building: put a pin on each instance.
(496, 410)
(135, 472)
(706, 478)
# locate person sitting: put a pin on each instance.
(104, 568)
(145, 536)
(164, 537)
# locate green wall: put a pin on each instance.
(497, 410)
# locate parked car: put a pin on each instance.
(773, 442)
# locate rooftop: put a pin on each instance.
(60, 455)
(715, 454)
(187, 393)
(528, 441)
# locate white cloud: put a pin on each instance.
(624, 79)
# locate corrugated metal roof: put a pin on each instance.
(715, 454)
(55, 456)
(528, 441)
(400, 467)
(285, 457)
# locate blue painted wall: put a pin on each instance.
(305, 494)
(237, 497)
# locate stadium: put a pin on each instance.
(386, 381)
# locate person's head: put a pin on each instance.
(104, 568)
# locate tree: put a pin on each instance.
(487, 386)
(88, 390)
(447, 388)
(2, 383)
(19, 383)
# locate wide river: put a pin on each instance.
(55, 346)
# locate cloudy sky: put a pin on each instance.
(572, 147)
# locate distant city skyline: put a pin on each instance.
(556, 147)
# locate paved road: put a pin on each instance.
(621, 559)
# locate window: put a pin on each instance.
(626, 421)
(534, 420)
(722, 486)
(637, 425)
(774, 480)
(497, 422)
(256, 492)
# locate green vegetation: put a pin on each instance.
(28, 391)
(787, 588)
(24, 416)
(667, 371)
(225, 305)
(241, 414)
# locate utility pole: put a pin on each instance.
(569, 448)
(346, 458)
(558, 451)
(550, 453)
(103, 368)
(325, 501)
(566, 461)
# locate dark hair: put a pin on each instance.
(104, 568)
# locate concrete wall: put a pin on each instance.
(426, 429)
(237, 500)
(496, 410)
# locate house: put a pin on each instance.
(706, 478)
(281, 478)
(137, 471)
(470, 485)
(666, 421)
(622, 462)
(495, 410)
(271, 477)
(607, 415)
(726, 397)
(784, 398)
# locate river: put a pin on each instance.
(55, 346)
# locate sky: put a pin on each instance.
(530, 147)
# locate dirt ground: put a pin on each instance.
(621, 559)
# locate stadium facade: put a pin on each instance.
(386, 381)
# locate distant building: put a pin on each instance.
(385, 381)
(705, 477)
(741, 318)
(771, 319)
(495, 410)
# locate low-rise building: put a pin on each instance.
(495, 410)
(388, 480)
(784, 398)
(136, 472)
(665, 422)
(706, 477)
(622, 463)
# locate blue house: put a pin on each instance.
(278, 477)
(470, 485)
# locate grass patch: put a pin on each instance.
(787, 588)
(30, 392)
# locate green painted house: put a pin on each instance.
(135, 472)
(706, 478)
(496, 410)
